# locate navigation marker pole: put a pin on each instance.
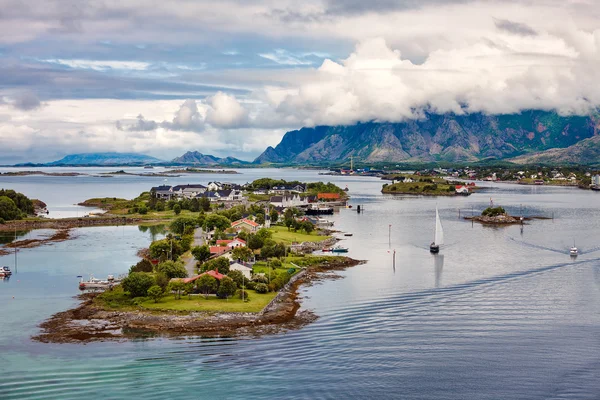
(390, 236)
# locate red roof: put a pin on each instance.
(244, 221)
(328, 196)
(239, 240)
(218, 249)
(214, 273)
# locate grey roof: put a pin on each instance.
(196, 186)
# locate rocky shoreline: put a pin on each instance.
(502, 219)
(89, 322)
(68, 223)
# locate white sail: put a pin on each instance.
(439, 231)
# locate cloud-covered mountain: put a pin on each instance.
(586, 152)
(106, 159)
(435, 137)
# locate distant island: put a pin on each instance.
(427, 185)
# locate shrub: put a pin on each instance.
(177, 209)
(143, 210)
(261, 288)
(243, 294)
(162, 280)
(493, 211)
(250, 285)
(260, 279)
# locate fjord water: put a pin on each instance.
(500, 313)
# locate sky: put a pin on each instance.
(230, 77)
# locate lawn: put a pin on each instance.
(198, 303)
(281, 234)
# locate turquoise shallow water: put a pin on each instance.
(499, 314)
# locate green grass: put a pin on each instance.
(213, 304)
(281, 234)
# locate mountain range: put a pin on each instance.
(444, 137)
(105, 159)
(194, 157)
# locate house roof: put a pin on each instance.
(160, 188)
(218, 249)
(276, 199)
(222, 241)
(214, 273)
(244, 221)
(238, 265)
(224, 193)
(328, 196)
(239, 240)
(181, 187)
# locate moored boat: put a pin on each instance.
(339, 249)
(6, 271)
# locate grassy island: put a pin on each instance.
(420, 185)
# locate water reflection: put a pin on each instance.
(438, 262)
(154, 230)
(9, 237)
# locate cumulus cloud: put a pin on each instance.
(187, 118)
(225, 111)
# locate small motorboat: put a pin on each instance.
(98, 284)
(326, 250)
(6, 271)
(573, 251)
(347, 234)
(339, 249)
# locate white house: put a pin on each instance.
(289, 201)
(188, 191)
(214, 186)
(244, 269)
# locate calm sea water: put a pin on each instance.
(501, 313)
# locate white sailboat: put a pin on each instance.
(438, 238)
(574, 251)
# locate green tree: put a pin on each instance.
(255, 242)
(201, 253)
(264, 234)
(142, 266)
(207, 284)
(308, 227)
(274, 215)
(215, 221)
(23, 203)
(177, 209)
(172, 269)
(227, 288)
(155, 293)
(178, 287)
(137, 284)
(181, 224)
(242, 253)
(239, 278)
(260, 219)
(204, 204)
(195, 205)
(162, 280)
(164, 248)
(221, 264)
(289, 222)
(8, 209)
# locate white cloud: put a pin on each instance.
(225, 111)
(100, 65)
(284, 57)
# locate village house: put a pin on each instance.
(162, 192)
(188, 191)
(215, 274)
(243, 268)
(245, 224)
(288, 201)
(460, 189)
(237, 242)
(219, 250)
(287, 189)
(214, 186)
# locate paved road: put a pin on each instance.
(190, 265)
